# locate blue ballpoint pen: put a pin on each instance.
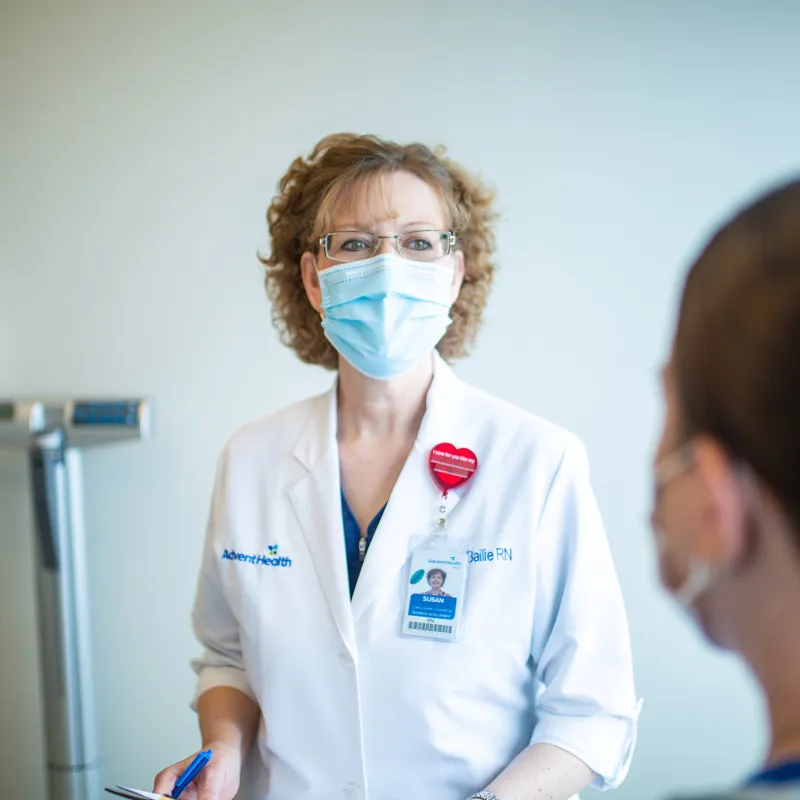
(192, 771)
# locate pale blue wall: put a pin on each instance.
(139, 146)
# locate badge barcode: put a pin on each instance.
(429, 626)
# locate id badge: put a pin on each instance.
(436, 592)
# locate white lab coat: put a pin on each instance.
(350, 707)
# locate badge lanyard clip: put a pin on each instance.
(451, 468)
(441, 522)
(439, 568)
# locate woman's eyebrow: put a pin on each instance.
(401, 226)
(349, 226)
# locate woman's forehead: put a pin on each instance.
(396, 200)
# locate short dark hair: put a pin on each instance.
(434, 571)
(737, 345)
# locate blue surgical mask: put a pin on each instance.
(384, 314)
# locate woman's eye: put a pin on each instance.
(418, 244)
(354, 245)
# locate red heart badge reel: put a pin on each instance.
(451, 467)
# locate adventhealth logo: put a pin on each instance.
(500, 554)
(451, 563)
(271, 560)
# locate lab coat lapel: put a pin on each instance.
(413, 506)
(316, 499)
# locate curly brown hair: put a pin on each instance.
(301, 211)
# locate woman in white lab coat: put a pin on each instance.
(521, 683)
(727, 510)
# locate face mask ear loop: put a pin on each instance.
(701, 576)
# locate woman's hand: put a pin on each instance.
(228, 722)
(218, 781)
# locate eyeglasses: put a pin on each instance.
(414, 245)
(674, 465)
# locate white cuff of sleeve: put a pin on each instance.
(211, 677)
(604, 743)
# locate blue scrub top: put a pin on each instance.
(782, 775)
(781, 783)
(352, 535)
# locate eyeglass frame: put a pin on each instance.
(674, 465)
(451, 243)
(680, 461)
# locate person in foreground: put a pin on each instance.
(517, 683)
(727, 471)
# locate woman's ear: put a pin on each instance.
(725, 501)
(308, 270)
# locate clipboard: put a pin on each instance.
(134, 794)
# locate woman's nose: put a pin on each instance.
(387, 247)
